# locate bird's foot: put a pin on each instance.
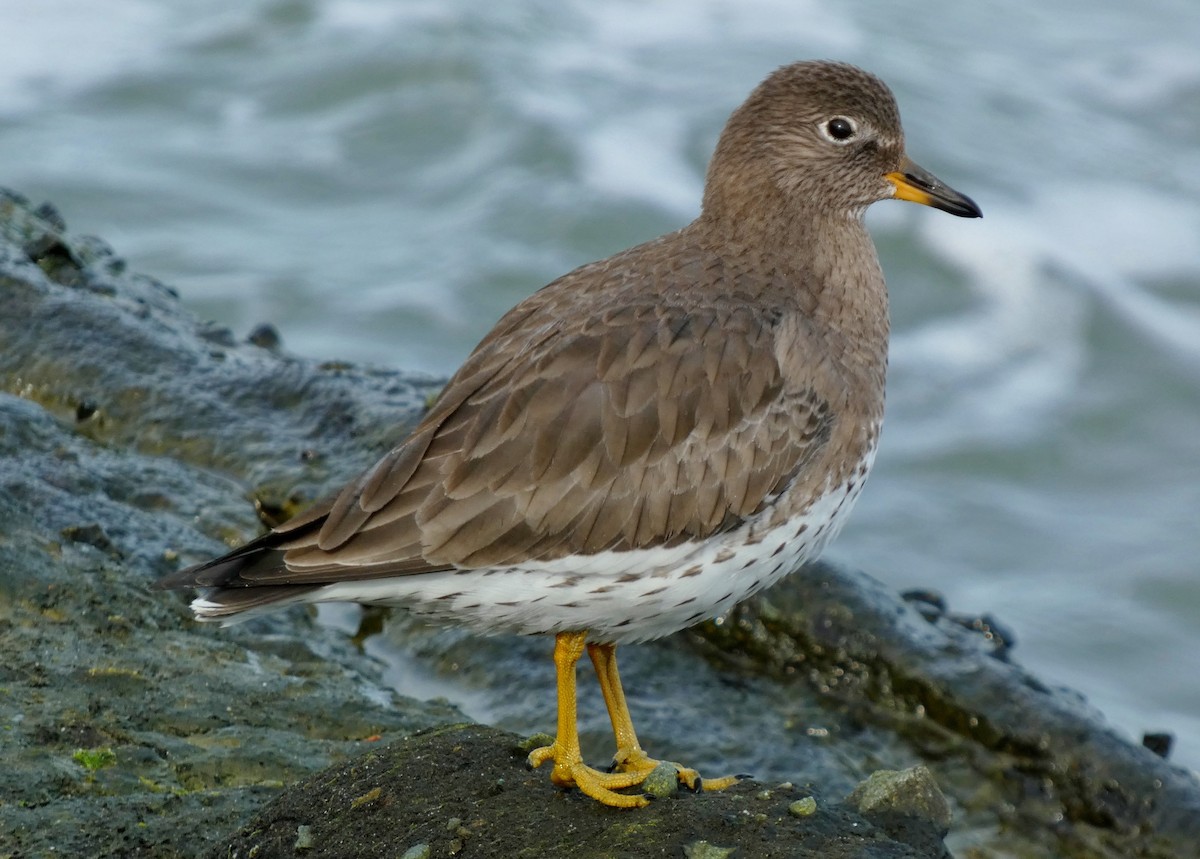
(570, 771)
(635, 760)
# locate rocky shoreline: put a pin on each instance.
(135, 438)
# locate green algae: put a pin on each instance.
(95, 759)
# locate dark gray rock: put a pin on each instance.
(463, 789)
(907, 805)
(1035, 762)
(126, 729)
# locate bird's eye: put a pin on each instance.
(840, 129)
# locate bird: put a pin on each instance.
(647, 440)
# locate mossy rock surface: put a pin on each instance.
(464, 790)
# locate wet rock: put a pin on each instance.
(704, 850)
(1033, 769)
(125, 728)
(912, 792)
(803, 807)
(907, 805)
(81, 337)
(662, 781)
(477, 773)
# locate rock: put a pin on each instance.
(1024, 762)
(503, 810)
(912, 792)
(304, 838)
(907, 805)
(662, 781)
(125, 728)
(803, 807)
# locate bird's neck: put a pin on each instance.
(832, 250)
(820, 264)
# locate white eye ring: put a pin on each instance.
(839, 130)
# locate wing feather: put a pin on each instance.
(642, 422)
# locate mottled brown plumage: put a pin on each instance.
(653, 436)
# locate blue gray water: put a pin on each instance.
(382, 180)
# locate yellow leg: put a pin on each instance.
(630, 757)
(569, 768)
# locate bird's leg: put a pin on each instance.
(629, 751)
(569, 768)
(630, 757)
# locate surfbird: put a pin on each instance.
(649, 439)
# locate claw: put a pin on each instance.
(570, 771)
(721, 783)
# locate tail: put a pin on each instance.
(230, 585)
(234, 605)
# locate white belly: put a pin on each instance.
(619, 597)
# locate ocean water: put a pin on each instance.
(381, 180)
